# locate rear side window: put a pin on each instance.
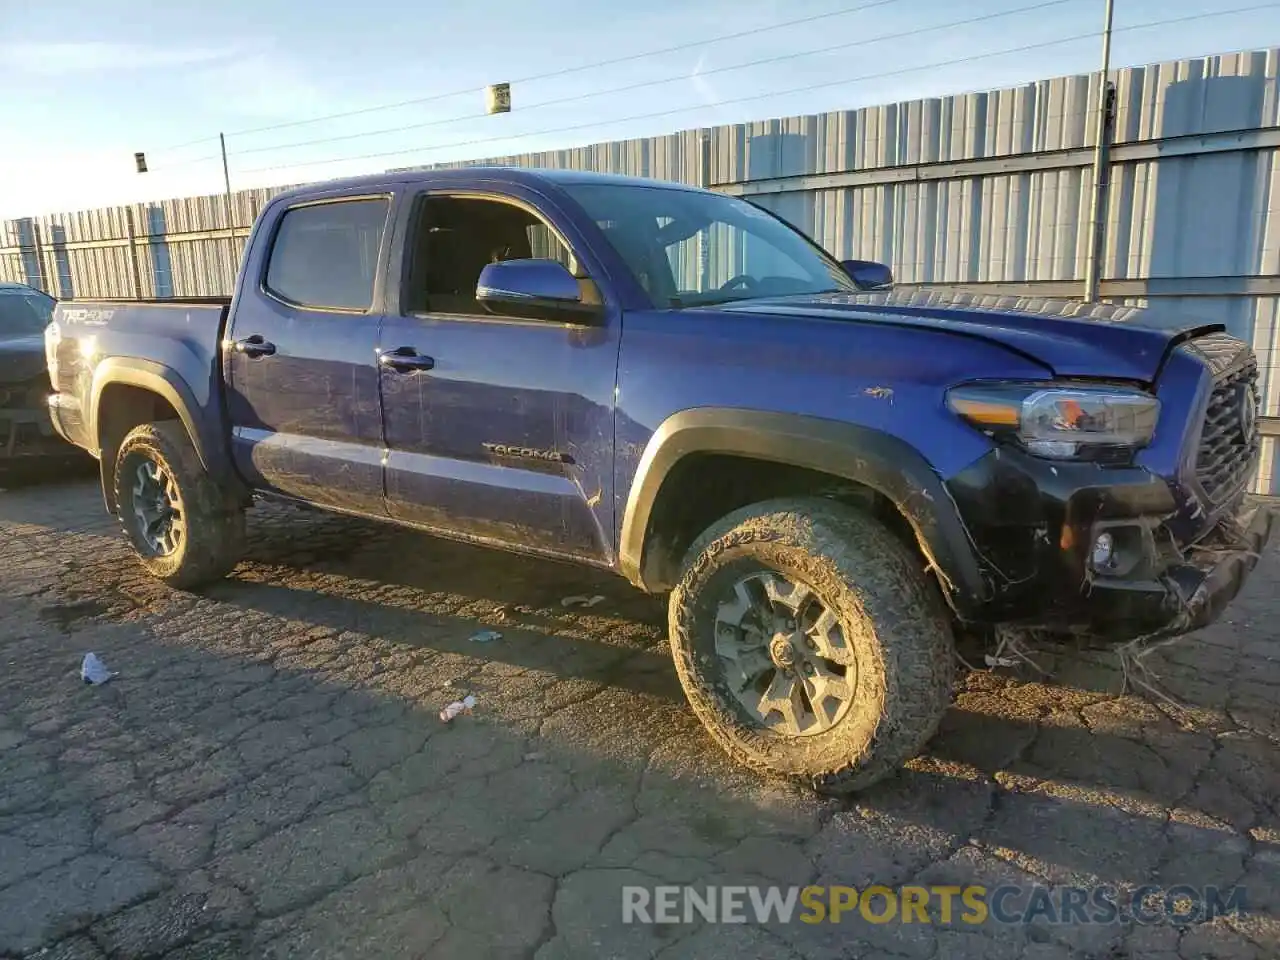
(326, 254)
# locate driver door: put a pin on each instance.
(503, 432)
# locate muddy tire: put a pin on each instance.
(182, 527)
(851, 641)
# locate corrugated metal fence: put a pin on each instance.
(985, 191)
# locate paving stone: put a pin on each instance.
(43, 907)
(290, 867)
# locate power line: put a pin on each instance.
(578, 69)
(540, 76)
(187, 143)
(166, 167)
(664, 113)
(866, 41)
(762, 96)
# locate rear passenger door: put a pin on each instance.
(300, 361)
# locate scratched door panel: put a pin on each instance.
(508, 438)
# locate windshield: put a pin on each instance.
(693, 249)
(24, 313)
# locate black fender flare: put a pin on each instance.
(145, 375)
(865, 456)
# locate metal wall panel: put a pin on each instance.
(979, 188)
(182, 247)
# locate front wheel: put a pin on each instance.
(182, 528)
(811, 644)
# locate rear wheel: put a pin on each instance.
(811, 643)
(183, 530)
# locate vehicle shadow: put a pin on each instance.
(1076, 724)
(296, 538)
(46, 472)
(581, 646)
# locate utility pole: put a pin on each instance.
(704, 181)
(231, 226)
(1101, 166)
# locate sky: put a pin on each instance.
(84, 84)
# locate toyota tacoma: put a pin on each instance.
(831, 479)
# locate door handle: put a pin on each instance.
(254, 347)
(405, 360)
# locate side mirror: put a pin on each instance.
(541, 289)
(869, 275)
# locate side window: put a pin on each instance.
(455, 238)
(326, 255)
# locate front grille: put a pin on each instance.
(1229, 439)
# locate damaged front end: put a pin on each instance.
(1213, 570)
(1156, 546)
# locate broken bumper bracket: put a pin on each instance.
(1215, 569)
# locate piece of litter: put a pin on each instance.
(465, 705)
(94, 670)
(536, 755)
(1000, 661)
(581, 601)
(486, 636)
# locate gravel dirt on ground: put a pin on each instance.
(268, 775)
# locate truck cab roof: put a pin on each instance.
(527, 176)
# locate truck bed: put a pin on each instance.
(168, 340)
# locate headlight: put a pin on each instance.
(1061, 422)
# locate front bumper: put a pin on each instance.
(1034, 525)
(1189, 593)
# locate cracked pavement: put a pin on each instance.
(268, 776)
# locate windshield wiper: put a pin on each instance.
(678, 304)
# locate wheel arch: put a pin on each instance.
(137, 391)
(871, 459)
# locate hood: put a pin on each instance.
(21, 357)
(1071, 339)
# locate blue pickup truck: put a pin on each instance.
(830, 479)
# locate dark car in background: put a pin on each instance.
(27, 438)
